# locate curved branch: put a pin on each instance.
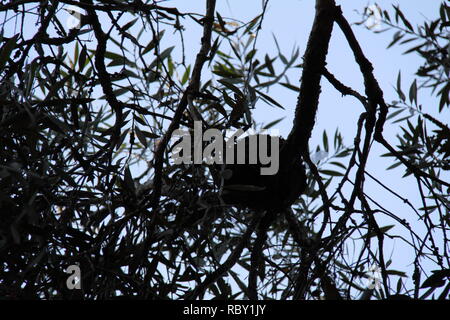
(313, 66)
(104, 77)
(375, 97)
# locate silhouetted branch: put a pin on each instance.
(192, 88)
(313, 66)
(227, 265)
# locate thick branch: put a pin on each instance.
(313, 66)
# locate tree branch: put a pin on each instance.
(193, 87)
(227, 265)
(313, 66)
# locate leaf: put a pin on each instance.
(338, 164)
(445, 92)
(112, 55)
(232, 87)
(394, 114)
(139, 119)
(386, 15)
(395, 165)
(400, 93)
(399, 13)
(6, 50)
(413, 92)
(399, 285)
(186, 75)
(225, 72)
(416, 48)
(121, 62)
(437, 279)
(221, 21)
(153, 42)
(268, 63)
(252, 23)
(373, 233)
(250, 55)
(325, 140)
(228, 100)
(82, 59)
(397, 273)
(397, 36)
(129, 24)
(270, 100)
(141, 136)
(290, 86)
(120, 91)
(121, 139)
(276, 42)
(331, 173)
(55, 124)
(150, 135)
(171, 66)
(128, 179)
(343, 153)
(213, 50)
(273, 123)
